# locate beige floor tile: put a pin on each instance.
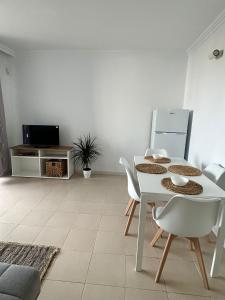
(70, 266)
(207, 247)
(58, 193)
(183, 277)
(95, 195)
(118, 193)
(9, 199)
(14, 215)
(51, 204)
(76, 193)
(180, 249)
(69, 206)
(112, 223)
(216, 284)
(80, 240)
(90, 208)
(131, 247)
(101, 292)
(60, 219)
(5, 229)
(137, 294)
(173, 296)
(86, 221)
(114, 201)
(110, 242)
(144, 279)
(99, 204)
(150, 227)
(28, 202)
(113, 209)
(107, 269)
(24, 234)
(37, 218)
(57, 290)
(52, 236)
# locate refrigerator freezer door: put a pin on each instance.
(170, 120)
(174, 143)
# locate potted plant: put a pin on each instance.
(86, 151)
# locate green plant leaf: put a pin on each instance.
(86, 150)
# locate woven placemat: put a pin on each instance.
(185, 170)
(151, 168)
(161, 160)
(191, 188)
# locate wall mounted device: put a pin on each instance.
(216, 54)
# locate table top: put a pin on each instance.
(151, 183)
(50, 148)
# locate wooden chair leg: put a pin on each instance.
(201, 262)
(209, 239)
(163, 259)
(130, 202)
(156, 237)
(192, 248)
(134, 204)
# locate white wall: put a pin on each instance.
(7, 78)
(205, 94)
(110, 94)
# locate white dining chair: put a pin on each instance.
(216, 173)
(150, 151)
(187, 217)
(133, 191)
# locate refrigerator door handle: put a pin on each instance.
(167, 132)
(181, 133)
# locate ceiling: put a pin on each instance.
(105, 24)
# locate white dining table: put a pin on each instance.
(151, 188)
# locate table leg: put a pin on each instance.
(218, 252)
(141, 235)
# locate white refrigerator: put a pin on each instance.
(169, 131)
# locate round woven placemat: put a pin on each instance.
(191, 188)
(161, 160)
(151, 168)
(185, 170)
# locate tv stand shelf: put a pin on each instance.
(28, 161)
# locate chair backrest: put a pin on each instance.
(150, 151)
(133, 188)
(216, 173)
(188, 216)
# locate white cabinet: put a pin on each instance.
(31, 162)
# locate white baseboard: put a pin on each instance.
(108, 173)
(112, 173)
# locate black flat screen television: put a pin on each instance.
(41, 135)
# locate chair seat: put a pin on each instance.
(158, 211)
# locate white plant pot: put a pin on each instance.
(87, 174)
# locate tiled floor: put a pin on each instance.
(85, 218)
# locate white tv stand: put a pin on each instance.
(30, 161)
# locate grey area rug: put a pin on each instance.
(38, 257)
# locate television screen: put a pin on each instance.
(41, 135)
